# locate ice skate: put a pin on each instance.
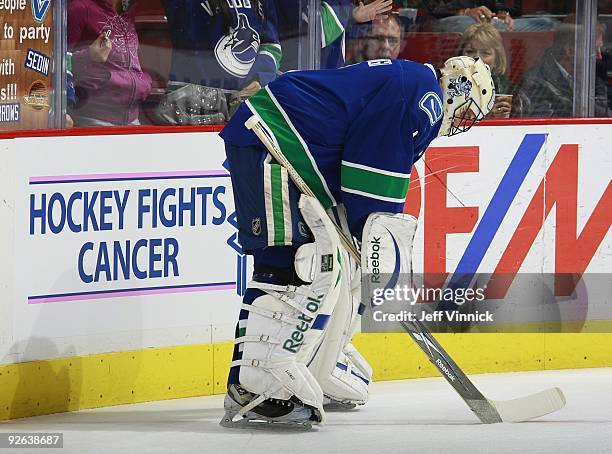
(271, 412)
(330, 404)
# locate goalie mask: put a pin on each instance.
(469, 94)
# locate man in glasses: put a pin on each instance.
(385, 38)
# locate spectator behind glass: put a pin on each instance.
(457, 15)
(223, 52)
(547, 89)
(108, 79)
(337, 16)
(385, 38)
(484, 41)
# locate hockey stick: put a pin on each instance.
(488, 411)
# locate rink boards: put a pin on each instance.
(121, 274)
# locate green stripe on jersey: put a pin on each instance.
(373, 183)
(332, 28)
(274, 50)
(292, 145)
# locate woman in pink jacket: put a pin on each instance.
(108, 79)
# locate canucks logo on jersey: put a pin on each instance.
(236, 53)
(431, 104)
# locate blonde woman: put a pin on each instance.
(484, 41)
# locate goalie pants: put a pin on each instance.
(266, 200)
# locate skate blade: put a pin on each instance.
(339, 406)
(259, 422)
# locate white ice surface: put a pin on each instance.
(411, 416)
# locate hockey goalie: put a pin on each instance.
(352, 135)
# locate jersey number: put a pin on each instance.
(381, 62)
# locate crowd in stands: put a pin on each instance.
(211, 55)
(109, 82)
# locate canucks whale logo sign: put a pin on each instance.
(236, 52)
(40, 8)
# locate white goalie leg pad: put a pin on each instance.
(344, 375)
(360, 367)
(281, 331)
(387, 247)
(335, 371)
(348, 382)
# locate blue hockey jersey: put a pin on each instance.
(352, 133)
(203, 55)
(335, 15)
